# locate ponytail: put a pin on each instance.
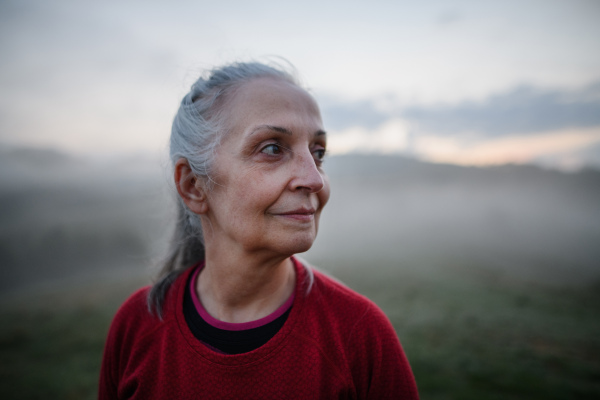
(187, 249)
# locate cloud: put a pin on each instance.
(390, 137)
(523, 125)
(525, 110)
(341, 115)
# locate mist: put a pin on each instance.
(69, 218)
(514, 221)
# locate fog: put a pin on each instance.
(64, 217)
(67, 219)
(513, 221)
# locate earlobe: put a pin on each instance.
(190, 188)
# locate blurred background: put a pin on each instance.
(464, 159)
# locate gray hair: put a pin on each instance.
(197, 130)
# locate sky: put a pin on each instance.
(462, 82)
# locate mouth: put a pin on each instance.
(300, 214)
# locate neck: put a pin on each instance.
(241, 288)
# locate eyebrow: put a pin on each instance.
(279, 129)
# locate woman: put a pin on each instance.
(234, 314)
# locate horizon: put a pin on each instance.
(161, 158)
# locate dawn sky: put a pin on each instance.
(475, 82)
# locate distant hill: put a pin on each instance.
(400, 167)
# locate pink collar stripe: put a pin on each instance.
(229, 325)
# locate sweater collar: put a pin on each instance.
(175, 306)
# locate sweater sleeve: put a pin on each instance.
(107, 388)
(116, 344)
(380, 368)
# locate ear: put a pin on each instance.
(190, 188)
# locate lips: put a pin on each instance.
(299, 211)
(300, 214)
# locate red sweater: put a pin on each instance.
(335, 344)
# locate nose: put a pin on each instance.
(306, 174)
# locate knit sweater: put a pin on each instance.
(335, 344)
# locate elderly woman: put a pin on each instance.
(233, 314)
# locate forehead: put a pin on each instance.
(271, 101)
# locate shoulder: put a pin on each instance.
(135, 302)
(134, 335)
(375, 357)
(344, 311)
(343, 299)
(135, 307)
(132, 317)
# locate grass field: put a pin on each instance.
(467, 334)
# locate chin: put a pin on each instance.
(297, 244)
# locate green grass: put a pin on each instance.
(467, 336)
(51, 343)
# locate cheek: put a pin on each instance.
(266, 181)
(256, 192)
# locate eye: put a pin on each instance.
(272, 149)
(319, 154)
